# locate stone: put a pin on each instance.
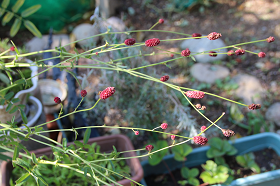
(208, 73)
(204, 44)
(250, 89)
(85, 30)
(273, 113)
(115, 23)
(37, 44)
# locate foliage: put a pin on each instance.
(19, 18)
(180, 152)
(66, 176)
(247, 161)
(214, 173)
(144, 99)
(156, 158)
(190, 175)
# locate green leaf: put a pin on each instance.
(235, 113)
(24, 148)
(2, 11)
(193, 172)
(13, 110)
(79, 144)
(178, 157)
(4, 157)
(70, 72)
(5, 3)
(193, 181)
(220, 160)
(34, 159)
(154, 160)
(4, 78)
(32, 28)
(19, 82)
(15, 27)
(16, 153)
(23, 116)
(23, 178)
(217, 153)
(30, 11)
(185, 172)
(209, 153)
(193, 58)
(232, 152)
(9, 95)
(8, 16)
(255, 168)
(15, 100)
(87, 135)
(216, 143)
(9, 106)
(17, 6)
(241, 160)
(2, 101)
(64, 143)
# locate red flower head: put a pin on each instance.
(136, 133)
(254, 106)
(83, 93)
(57, 100)
(173, 137)
(200, 140)
(239, 52)
(195, 94)
(214, 36)
(186, 52)
(262, 54)
(196, 35)
(203, 128)
(270, 39)
(230, 53)
(164, 78)
(213, 54)
(161, 21)
(152, 42)
(164, 126)
(109, 91)
(149, 148)
(130, 41)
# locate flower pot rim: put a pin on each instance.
(244, 145)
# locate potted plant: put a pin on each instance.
(106, 143)
(243, 145)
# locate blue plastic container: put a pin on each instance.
(243, 145)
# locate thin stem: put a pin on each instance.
(154, 25)
(79, 104)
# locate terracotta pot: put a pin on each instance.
(121, 142)
(52, 126)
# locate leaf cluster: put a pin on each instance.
(64, 176)
(19, 18)
(248, 161)
(214, 173)
(190, 175)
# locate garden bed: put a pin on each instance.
(267, 160)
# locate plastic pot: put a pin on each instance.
(121, 142)
(243, 145)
